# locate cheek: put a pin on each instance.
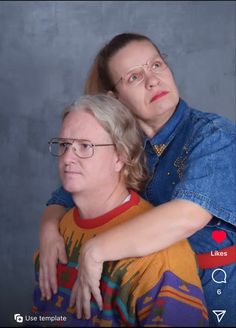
(106, 167)
(171, 82)
(60, 167)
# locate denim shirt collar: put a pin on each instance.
(163, 137)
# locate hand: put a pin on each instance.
(88, 282)
(52, 249)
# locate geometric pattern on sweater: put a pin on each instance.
(161, 289)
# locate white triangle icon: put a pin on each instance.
(219, 314)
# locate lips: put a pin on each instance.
(159, 95)
(71, 172)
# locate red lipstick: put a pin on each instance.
(159, 95)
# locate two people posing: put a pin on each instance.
(190, 159)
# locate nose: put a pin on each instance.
(151, 80)
(69, 157)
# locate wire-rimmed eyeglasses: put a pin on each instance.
(82, 148)
(137, 73)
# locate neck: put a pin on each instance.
(152, 127)
(91, 205)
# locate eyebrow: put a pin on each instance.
(147, 61)
(78, 139)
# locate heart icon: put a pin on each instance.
(218, 235)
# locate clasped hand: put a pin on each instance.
(87, 283)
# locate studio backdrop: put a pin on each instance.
(46, 49)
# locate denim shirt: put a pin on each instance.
(193, 158)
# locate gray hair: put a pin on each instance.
(120, 124)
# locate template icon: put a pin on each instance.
(219, 314)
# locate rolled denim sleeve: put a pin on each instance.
(209, 173)
(61, 197)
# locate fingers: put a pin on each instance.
(48, 275)
(53, 267)
(41, 283)
(83, 304)
(78, 304)
(49, 257)
(83, 301)
(62, 254)
(81, 294)
(98, 297)
(90, 271)
(52, 277)
(44, 282)
(73, 294)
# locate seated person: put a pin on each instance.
(102, 164)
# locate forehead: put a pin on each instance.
(134, 53)
(82, 125)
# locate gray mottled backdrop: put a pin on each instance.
(46, 49)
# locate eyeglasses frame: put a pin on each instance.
(163, 56)
(93, 146)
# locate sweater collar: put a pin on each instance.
(90, 223)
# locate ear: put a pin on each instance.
(112, 94)
(119, 163)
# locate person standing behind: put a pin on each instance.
(191, 159)
(101, 164)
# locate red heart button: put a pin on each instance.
(218, 235)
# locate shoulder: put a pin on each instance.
(182, 262)
(138, 201)
(209, 122)
(207, 129)
(68, 219)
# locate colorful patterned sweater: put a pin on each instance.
(161, 289)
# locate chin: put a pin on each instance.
(71, 187)
(167, 106)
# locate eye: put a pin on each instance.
(135, 77)
(157, 65)
(64, 144)
(84, 147)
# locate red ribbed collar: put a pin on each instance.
(87, 223)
